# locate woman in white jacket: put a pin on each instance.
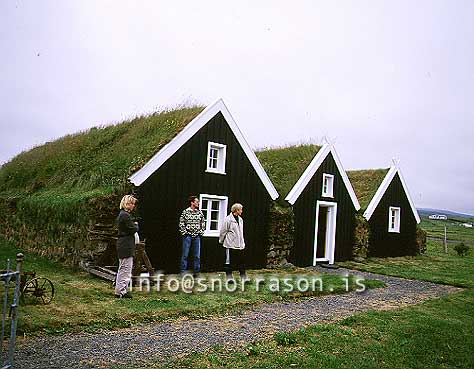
(231, 236)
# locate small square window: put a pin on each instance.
(216, 154)
(328, 185)
(214, 208)
(394, 219)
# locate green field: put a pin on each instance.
(454, 229)
(434, 266)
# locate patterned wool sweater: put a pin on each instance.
(192, 222)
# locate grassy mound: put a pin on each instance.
(53, 196)
(365, 183)
(102, 157)
(285, 165)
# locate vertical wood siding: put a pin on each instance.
(163, 196)
(384, 243)
(305, 216)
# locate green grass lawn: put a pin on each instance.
(85, 303)
(434, 266)
(435, 334)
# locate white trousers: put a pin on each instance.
(124, 275)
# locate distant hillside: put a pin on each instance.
(429, 211)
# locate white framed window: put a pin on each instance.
(214, 208)
(216, 154)
(328, 185)
(394, 219)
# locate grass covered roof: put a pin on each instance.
(285, 165)
(365, 183)
(99, 158)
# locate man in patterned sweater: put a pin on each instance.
(191, 226)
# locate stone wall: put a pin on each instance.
(90, 236)
(280, 237)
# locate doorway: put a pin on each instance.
(325, 232)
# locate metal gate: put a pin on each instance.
(10, 310)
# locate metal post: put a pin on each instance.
(445, 242)
(19, 262)
(5, 305)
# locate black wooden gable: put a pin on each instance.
(188, 165)
(385, 243)
(164, 193)
(305, 215)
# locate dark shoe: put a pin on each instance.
(229, 278)
(124, 296)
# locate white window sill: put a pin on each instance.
(215, 171)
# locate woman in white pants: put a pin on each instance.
(231, 236)
(125, 245)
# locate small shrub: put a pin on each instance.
(420, 240)
(462, 249)
(361, 237)
(253, 349)
(285, 338)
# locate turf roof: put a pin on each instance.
(365, 183)
(97, 158)
(285, 165)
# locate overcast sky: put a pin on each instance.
(384, 79)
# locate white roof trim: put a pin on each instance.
(313, 167)
(394, 169)
(194, 126)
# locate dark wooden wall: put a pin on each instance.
(384, 243)
(163, 196)
(305, 216)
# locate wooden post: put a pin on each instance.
(445, 242)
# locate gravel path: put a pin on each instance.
(164, 341)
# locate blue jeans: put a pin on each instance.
(195, 243)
